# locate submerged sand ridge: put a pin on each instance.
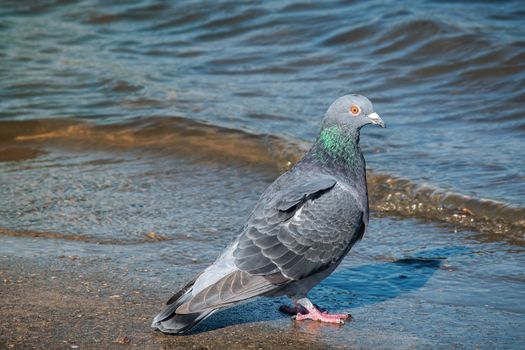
(204, 143)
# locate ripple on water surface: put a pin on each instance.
(447, 77)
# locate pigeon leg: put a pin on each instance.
(293, 310)
(317, 315)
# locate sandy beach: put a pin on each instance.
(70, 303)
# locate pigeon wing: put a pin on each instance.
(302, 230)
(290, 198)
(289, 236)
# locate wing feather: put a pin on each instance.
(301, 231)
(235, 287)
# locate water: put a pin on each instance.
(126, 118)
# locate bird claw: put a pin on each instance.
(310, 311)
(322, 317)
(315, 314)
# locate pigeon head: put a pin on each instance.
(339, 137)
(351, 112)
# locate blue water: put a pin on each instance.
(447, 77)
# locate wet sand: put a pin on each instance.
(72, 302)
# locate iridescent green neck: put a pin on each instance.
(337, 144)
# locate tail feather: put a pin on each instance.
(181, 292)
(168, 321)
(220, 286)
(180, 323)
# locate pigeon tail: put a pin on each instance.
(168, 321)
(180, 323)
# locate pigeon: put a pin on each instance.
(301, 228)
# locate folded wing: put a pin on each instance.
(303, 230)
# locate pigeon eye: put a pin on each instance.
(354, 110)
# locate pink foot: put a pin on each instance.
(316, 315)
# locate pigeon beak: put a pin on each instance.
(376, 119)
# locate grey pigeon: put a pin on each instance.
(302, 227)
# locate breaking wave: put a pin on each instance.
(389, 195)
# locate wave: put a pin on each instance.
(495, 220)
(147, 238)
(161, 134)
(389, 195)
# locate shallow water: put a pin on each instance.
(146, 131)
(407, 284)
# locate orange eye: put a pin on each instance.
(354, 110)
